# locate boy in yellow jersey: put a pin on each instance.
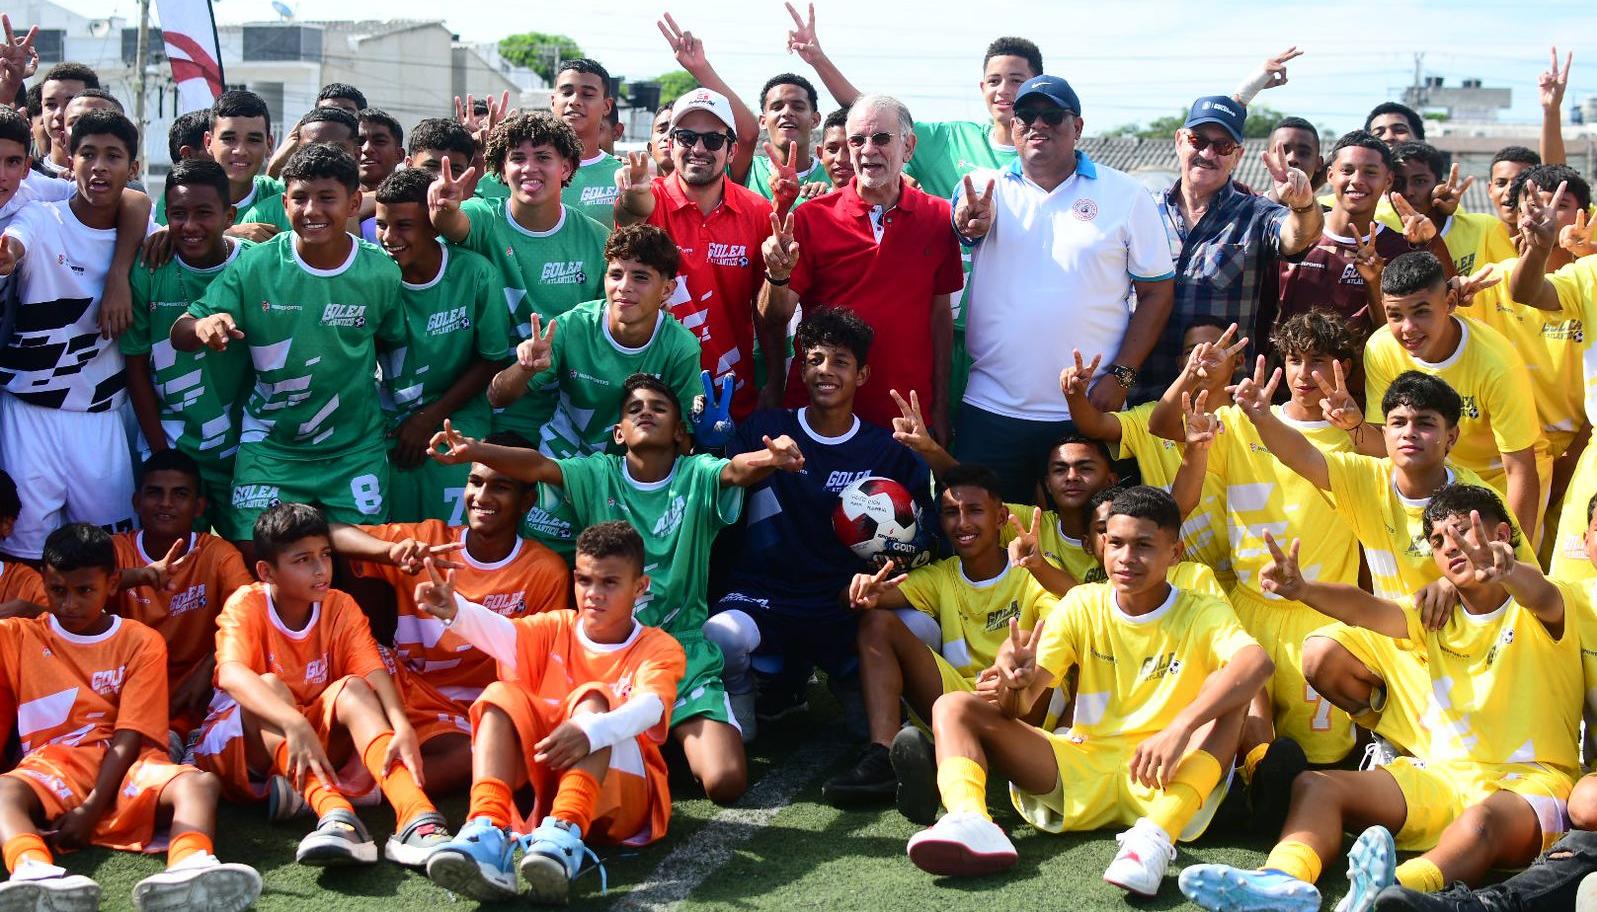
(1507, 165)
(1494, 770)
(1262, 493)
(1499, 434)
(1417, 176)
(1185, 574)
(973, 596)
(1077, 467)
(1165, 676)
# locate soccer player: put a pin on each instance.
(239, 140)
(833, 149)
(974, 596)
(1421, 176)
(550, 255)
(309, 700)
(744, 127)
(1164, 677)
(659, 141)
(584, 704)
(94, 769)
(1297, 143)
(1185, 574)
(1393, 123)
(436, 139)
(62, 83)
(1490, 775)
(1075, 468)
(459, 333)
(329, 124)
(439, 673)
(581, 98)
(21, 587)
(1507, 165)
(312, 305)
(186, 137)
(1499, 435)
(682, 501)
(340, 95)
(790, 114)
(380, 149)
(182, 399)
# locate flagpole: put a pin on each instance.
(141, 54)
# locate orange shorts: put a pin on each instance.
(62, 777)
(221, 747)
(634, 803)
(431, 712)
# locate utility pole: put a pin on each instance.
(141, 53)
(1419, 80)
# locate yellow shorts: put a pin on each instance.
(1324, 732)
(1438, 793)
(1569, 547)
(1095, 789)
(1407, 683)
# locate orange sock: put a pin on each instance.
(575, 800)
(322, 798)
(491, 798)
(26, 847)
(184, 845)
(399, 786)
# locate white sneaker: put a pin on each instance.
(1378, 753)
(35, 885)
(1145, 854)
(199, 881)
(962, 844)
(1222, 888)
(743, 712)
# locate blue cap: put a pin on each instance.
(1052, 88)
(1218, 109)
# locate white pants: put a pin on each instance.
(68, 466)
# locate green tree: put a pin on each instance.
(537, 51)
(1261, 121)
(675, 84)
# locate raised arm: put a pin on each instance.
(910, 429)
(777, 301)
(1538, 234)
(750, 468)
(444, 197)
(1494, 561)
(534, 355)
(1206, 361)
(635, 197)
(1305, 220)
(1201, 427)
(801, 40)
(1253, 395)
(1550, 86)
(521, 463)
(1348, 604)
(690, 56)
(1074, 381)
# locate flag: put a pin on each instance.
(189, 29)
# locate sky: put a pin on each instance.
(1129, 61)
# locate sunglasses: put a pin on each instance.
(877, 139)
(687, 139)
(1221, 147)
(1053, 117)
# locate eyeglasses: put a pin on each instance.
(1053, 117)
(1221, 147)
(687, 139)
(877, 139)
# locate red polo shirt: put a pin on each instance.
(890, 285)
(722, 272)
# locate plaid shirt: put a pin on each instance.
(1226, 268)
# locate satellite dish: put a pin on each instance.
(99, 28)
(283, 9)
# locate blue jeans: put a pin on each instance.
(1013, 447)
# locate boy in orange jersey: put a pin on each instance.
(94, 770)
(440, 674)
(311, 701)
(183, 586)
(21, 588)
(582, 708)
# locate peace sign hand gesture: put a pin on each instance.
(1366, 259)
(634, 173)
(1075, 381)
(447, 192)
(1023, 549)
(689, 50)
(1208, 359)
(1017, 657)
(1576, 238)
(1275, 67)
(19, 59)
(160, 572)
(1292, 186)
(1491, 559)
(1254, 394)
(1552, 83)
(780, 250)
(1283, 575)
(1417, 228)
(536, 352)
(910, 427)
(436, 593)
(974, 216)
(1465, 288)
(801, 38)
(457, 447)
(865, 591)
(1449, 193)
(1338, 406)
(1538, 221)
(784, 182)
(712, 416)
(1201, 424)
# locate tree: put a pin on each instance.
(1261, 121)
(538, 51)
(675, 84)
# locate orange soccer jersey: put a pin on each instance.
(20, 581)
(69, 693)
(185, 613)
(555, 666)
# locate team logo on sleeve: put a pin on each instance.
(348, 315)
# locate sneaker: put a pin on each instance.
(775, 704)
(35, 885)
(1222, 888)
(1458, 897)
(1145, 854)
(915, 767)
(1270, 792)
(339, 839)
(476, 863)
(743, 710)
(1371, 868)
(553, 858)
(869, 781)
(199, 881)
(420, 838)
(284, 801)
(1378, 753)
(962, 844)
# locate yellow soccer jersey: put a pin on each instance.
(1490, 376)
(1062, 551)
(1577, 298)
(1479, 670)
(1136, 673)
(1195, 577)
(1464, 233)
(974, 616)
(1158, 460)
(1497, 244)
(1389, 526)
(1263, 495)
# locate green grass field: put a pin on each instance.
(780, 848)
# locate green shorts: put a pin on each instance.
(431, 490)
(552, 522)
(216, 483)
(350, 487)
(701, 693)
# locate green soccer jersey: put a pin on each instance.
(264, 203)
(490, 187)
(312, 336)
(944, 154)
(759, 177)
(452, 322)
(593, 189)
(678, 518)
(198, 391)
(588, 366)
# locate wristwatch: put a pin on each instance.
(1125, 376)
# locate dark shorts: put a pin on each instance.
(799, 637)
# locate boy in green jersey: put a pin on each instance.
(312, 305)
(239, 140)
(182, 399)
(581, 98)
(549, 254)
(459, 335)
(678, 504)
(437, 139)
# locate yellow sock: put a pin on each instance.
(1294, 859)
(963, 785)
(1420, 874)
(1250, 763)
(1196, 777)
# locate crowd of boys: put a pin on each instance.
(379, 466)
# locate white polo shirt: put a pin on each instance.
(1054, 273)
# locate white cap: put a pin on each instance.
(703, 100)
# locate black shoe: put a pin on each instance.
(915, 765)
(1456, 898)
(871, 781)
(1270, 793)
(772, 705)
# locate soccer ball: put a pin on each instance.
(877, 516)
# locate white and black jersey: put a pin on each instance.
(56, 357)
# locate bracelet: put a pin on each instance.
(777, 282)
(1309, 208)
